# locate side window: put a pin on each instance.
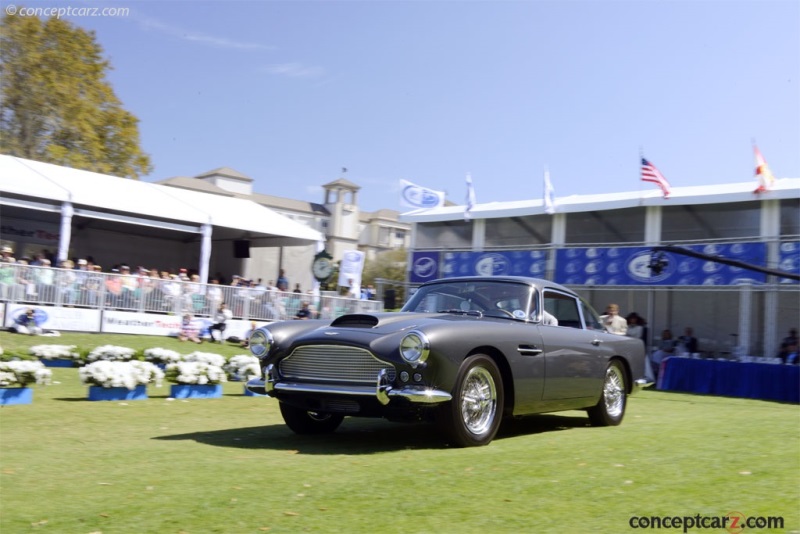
(564, 308)
(590, 317)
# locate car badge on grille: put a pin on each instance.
(331, 333)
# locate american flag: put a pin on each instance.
(651, 174)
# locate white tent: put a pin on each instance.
(32, 185)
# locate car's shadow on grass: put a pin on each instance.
(365, 436)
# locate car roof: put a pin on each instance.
(541, 283)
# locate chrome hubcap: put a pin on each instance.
(478, 400)
(614, 392)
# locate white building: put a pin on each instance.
(602, 246)
(338, 218)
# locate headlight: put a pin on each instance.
(260, 342)
(414, 348)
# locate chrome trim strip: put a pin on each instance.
(418, 395)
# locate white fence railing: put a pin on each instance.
(68, 288)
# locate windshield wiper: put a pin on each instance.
(474, 313)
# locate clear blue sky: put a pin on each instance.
(290, 92)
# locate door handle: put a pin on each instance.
(529, 350)
(596, 342)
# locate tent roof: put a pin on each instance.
(679, 196)
(45, 186)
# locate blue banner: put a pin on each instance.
(630, 266)
(789, 260)
(424, 267)
(506, 263)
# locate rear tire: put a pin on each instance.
(473, 417)
(610, 409)
(305, 422)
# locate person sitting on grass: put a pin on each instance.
(304, 312)
(189, 331)
(26, 323)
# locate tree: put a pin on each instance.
(389, 265)
(56, 104)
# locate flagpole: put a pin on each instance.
(641, 157)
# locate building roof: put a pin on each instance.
(227, 172)
(341, 182)
(193, 184)
(680, 196)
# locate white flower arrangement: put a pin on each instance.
(163, 356)
(209, 358)
(195, 372)
(110, 353)
(55, 352)
(21, 373)
(128, 375)
(243, 367)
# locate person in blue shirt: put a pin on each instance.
(26, 323)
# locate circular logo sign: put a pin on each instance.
(419, 197)
(424, 267)
(492, 265)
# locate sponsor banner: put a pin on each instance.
(122, 322)
(631, 266)
(424, 267)
(54, 318)
(350, 267)
(505, 263)
(789, 260)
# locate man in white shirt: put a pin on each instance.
(613, 322)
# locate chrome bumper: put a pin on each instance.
(639, 385)
(382, 390)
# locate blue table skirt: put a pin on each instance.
(732, 379)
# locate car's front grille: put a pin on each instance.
(334, 363)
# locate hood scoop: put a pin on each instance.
(356, 320)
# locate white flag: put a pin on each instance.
(416, 196)
(549, 194)
(470, 198)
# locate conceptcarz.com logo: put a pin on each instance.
(733, 522)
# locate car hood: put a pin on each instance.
(390, 322)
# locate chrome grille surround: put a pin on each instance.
(334, 363)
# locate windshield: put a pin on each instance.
(491, 298)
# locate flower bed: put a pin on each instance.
(195, 373)
(242, 367)
(56, 355)
(120, 374)
(110, 353)
(21, 373)
(161, 356)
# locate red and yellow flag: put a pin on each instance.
(763, 174)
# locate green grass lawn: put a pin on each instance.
(230, 465)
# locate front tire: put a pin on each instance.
(610, 409)
(473, 417)
(305, 422)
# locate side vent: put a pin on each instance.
(356, 320)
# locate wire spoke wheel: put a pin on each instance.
(478, 400)
(610, 409)
(473, 417)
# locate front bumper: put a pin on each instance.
(639, 385)
(382, 391)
